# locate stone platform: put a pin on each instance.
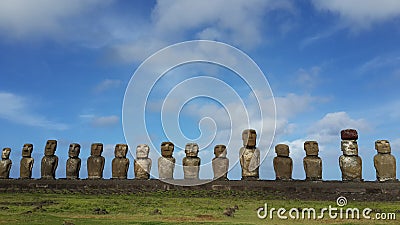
(306, 190)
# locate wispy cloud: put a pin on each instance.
(27, 19)
(360, 14)
(106, 85)
(240, 23)
(104, 121)
(17, 109)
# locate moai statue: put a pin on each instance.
(74, 162)
(312, 163)
(350, 163)
(220, 163)
(166, 163)
(142, 163)
(191, 163)
(283, 164)
(5, 164)
(384, 162)
(95, 162)
(249, 156)
(25, 171)
(49, 160)
(120, 164)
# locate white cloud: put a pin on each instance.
(361, 14)
(308, 78)
(106, 85)
(24, 18)
(328, 128)
(104, 121)
(18, 110)
(240, 23)
(380, 62)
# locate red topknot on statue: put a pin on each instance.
(349, 134)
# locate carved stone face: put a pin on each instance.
(311, 147)
(220, 151)
(142, 151)
(191, 150)
(74, 150)
(6, 153)
(51, 146)
(349, 147)
(96, 149)
(282, 150)
(382, 146)
(27, 150)
(121, 150)
(249, 137)
(167, 148)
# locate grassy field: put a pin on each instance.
(177, 207)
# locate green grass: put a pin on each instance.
(177, 207)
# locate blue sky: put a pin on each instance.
(331, 65)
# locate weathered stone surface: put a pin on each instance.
(283, 164)
(220, 163)
(73, 165)
(384, 162)
(49, 160)
(142, 163)
(95, 162)
(26, 164)
(312, 163)
(349, 147)
(191, 163)
(166, 163)
(350, 163)
(349, 134)
(249, 155)
(5, 163)
(120, 164)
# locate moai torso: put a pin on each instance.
(312, 163)
(120, 164)
(350, 163)
(191, 163)
(5, 164)
(49, 160)
(283, 164)
(249, 156)
(74, 162)
(384, 162)
(142, 163)
(26, 164)
(95, 162)
(166, 163)
(220, 163)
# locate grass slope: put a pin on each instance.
(177, 207)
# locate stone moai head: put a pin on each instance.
(349, 144)
(50, 149)
(74, 150)
(121, 150)
(383, 146)
(191, 149)
(282, 150)
(249, 137)
(220, 151)
(311, 148)
(6, 153)
(27, 150)
(142, 151)
(167, 148)
(96, 149)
